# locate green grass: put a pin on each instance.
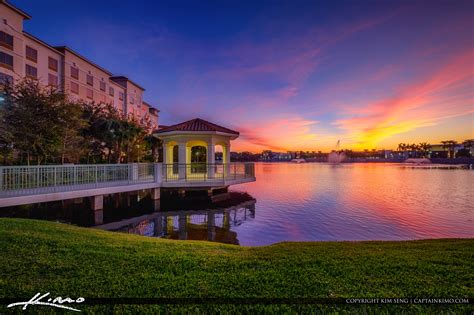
(40, 256)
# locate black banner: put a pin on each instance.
(267, 301)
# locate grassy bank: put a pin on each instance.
(70, 261)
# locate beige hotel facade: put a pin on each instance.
(24, 55)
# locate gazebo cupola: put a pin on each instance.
(194, 141)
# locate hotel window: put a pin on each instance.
(90, 80)
(31, 72)
(6, 40)
(89, 93)
(31, 54)
(74, 88)
(132, 100)
(75, 73)
(102, 86)
(121, 96)
(111, 91)
(6, 60)
(52, 64)
(52, 79)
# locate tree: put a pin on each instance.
(414, 149)
(6, 139)
(425, 148)
(102, 120)
(402, 147)
(113, 136)
(133, 135)
(468, 144)
(39, 121)
(449, 145)
(156, 146)
(42, 124)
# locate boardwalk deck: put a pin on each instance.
(21, 185)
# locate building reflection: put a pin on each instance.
(216, 225)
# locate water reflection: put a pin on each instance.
(366, 201)
(296, 202)
(212, 225)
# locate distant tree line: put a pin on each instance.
(417, 150)
(423, 149)
(244, 156)
(42, 125)
(414, 150)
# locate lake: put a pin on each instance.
(301, 202)
(363, 201)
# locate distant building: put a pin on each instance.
(438, 151)
(24, 55)
(269, 155)
(282, 156)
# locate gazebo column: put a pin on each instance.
(226, 153)
(226, 158)
(211, 160)
(189, 151)
(182, 160)
(165, 152)
(168, 159)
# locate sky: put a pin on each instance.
(288, 75)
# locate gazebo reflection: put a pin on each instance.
(214, 225)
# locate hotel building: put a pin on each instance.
(24, 55)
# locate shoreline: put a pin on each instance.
(448, 162)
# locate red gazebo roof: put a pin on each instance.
(197, 124)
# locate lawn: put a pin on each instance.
(40, 256)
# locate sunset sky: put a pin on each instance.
(287, 74)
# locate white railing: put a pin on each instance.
(29, 180)
(34, 180)
(192, 172)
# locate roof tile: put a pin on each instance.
(197, 124)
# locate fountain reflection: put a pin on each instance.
(210, 225)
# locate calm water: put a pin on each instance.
(321, 202)
(300, 202)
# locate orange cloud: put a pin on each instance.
(279, 135)
(443, 94)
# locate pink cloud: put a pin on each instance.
(279, 134)
(445, 92)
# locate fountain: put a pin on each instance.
(336, 156)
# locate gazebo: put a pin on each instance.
(189, 155)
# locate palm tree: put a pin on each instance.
(414, 149)
(449, 145)
(468, 144)
(424, 148)
(402, 148)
